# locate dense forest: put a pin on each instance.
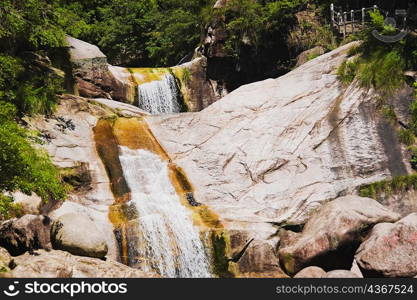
(161, 33)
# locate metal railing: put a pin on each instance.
(348, 22)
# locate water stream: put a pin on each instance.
(168, 241)
(159, 96)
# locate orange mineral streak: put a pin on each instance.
(134, 133)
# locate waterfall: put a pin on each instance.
(169, 243)
(159, 96)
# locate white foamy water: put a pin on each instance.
(169, 243)
(159, 96)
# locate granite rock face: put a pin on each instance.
(340, 274)
(68, 137)
(273, 152)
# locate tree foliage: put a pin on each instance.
(22, 167)
(140, 32)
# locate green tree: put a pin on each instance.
(22, 167)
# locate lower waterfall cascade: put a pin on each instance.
(169, 243)
(159, 96)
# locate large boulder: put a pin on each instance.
(390, 250)
(332, 235)
(311, 272)
(77, 234)
(27, 233)
(91, 72)
(251, 256)
(60, 264)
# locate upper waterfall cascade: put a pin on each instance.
(159, 96)
(168, 241)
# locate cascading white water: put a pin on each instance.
(169, 243)
(159, 96)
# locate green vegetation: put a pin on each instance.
(388, 187)
(28, 85)
(258, 29)
(22, 167)
(406, 136)
(221, 261)
(377, 64)
(28, 29)
(8, 209)
(146, 33)
(347, 71)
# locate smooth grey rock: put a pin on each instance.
(77, 234)
(80, 50)
(332, 234)
(390, 250)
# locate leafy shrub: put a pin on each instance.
(22, 167)
(30, 90)
(347, 71)
(8, 209)
(380, 65)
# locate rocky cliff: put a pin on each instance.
(271, 153)
(275, 150)
(93, 77)
(263, 172)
